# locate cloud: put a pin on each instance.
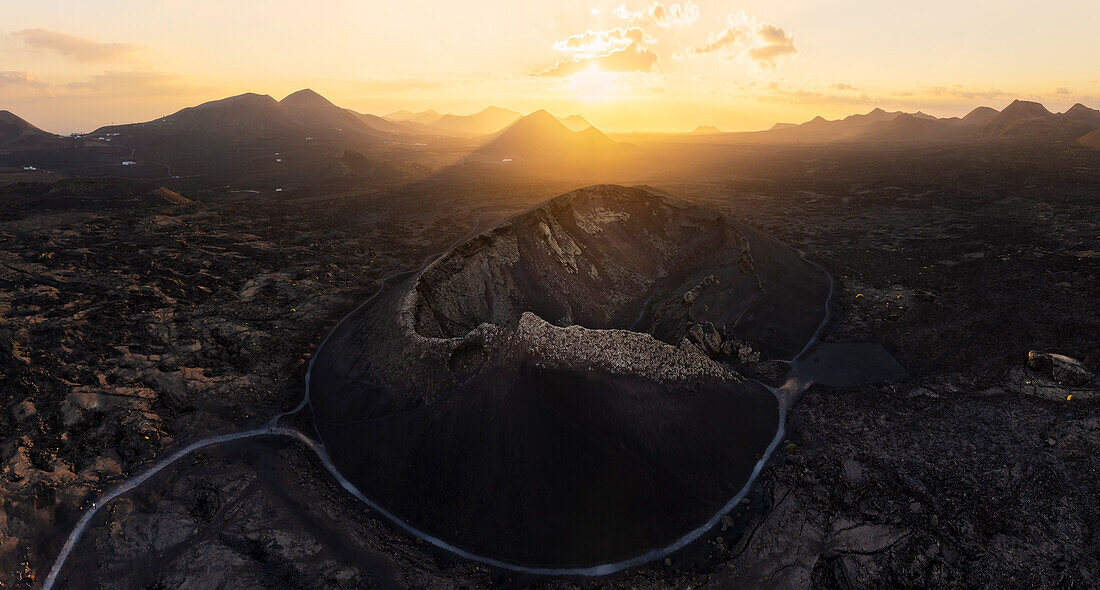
(137, 82)
(1062, 90)
(960, 91)
(596, 43)
(813, 96)
(842, 86)
(717, 41)
(633, 58)
(744, 36)
(20, 79)
(672, 15)
(77, 48)
(625, 49)
(776, 43)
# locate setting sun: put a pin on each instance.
(593, 84)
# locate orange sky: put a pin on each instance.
(72, 66)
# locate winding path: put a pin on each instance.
(785, 395)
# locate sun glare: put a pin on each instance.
(593, 84)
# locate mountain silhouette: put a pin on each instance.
(396, 127)
(424, 117)
(1090, 139)
(820, 129)
(1021, 110)
(1083, 115)
(541, 136)
(310, 110)
(252, 115)
(576, 123)
(1020, 121)
(1029, 120)
(980, 116)
(18, 133)
(250, 118)
(875, 116)
(707, 130)
(907, 127)
(485, 122)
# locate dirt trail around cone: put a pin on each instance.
(785, 395)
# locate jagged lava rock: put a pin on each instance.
(1059, 367)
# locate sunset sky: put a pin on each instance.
(75, 65)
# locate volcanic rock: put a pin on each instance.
(22, 411)
(497, 401)
(168, 196)
(1061, 368)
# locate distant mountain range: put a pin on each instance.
(485, 122)
(275, 143)
(1021, 120)
(307, 114)
(489, 120)
(246, 118)
(302, 114)
(263, 122)
(254, 123)
(422, 118)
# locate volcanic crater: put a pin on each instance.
(561, 390)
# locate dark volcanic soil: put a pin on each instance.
(559, 468)
(131, 324)
(974, 472)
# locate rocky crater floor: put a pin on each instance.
(556, 392)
